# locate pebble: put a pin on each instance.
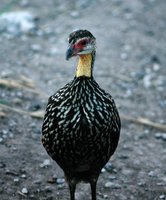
(151, 174)
(124, 56)
(23, 176)
(45, 163)
(24, 190)
(103, 170)
(38, 181)
(128, 93)
(53, 51)
(2, 165)
(105, 196)
(60, 181)
(74, 14)
(141, 184)
(36, 48)
(162, 196)
(127, 47)
(48, 189)
(112, 185)
(1, 140)
(16, 180)
(161, 136)
(108, 167)
(112, 177)
(147, 81)
(156, 67)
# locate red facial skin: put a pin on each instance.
(79, 46)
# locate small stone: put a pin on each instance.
(160, 184)
(60, 181)
(103, 170)
(24, 190)
(141, 184)
(146, 131)
(5, 73)
(112, 177)
(108, 167)
(147, 81)
(123, 56)
(74, 14)
(112, 185)
(60, 186)
(23, 176)
(127, 47)
(161, 136)
(162, 196)
(11, 135)
(45, 163)
(128, 93)
(16, 180)
(156, 67)
(36, 47)
(4, 132)
(151, 174)
(158, 135)
(38, 181)
(105, 196)
(2, 165)
(4, 136)
(48, 189)
(1, 140)
(32, 196)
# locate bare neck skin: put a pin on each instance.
(84, 67)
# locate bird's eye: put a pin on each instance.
(83, 42)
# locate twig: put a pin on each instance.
(36, 114)
(22, 194)
(27, 85)
(144, 121)
(40, 114)
(15, 84)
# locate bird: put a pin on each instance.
(81, 126)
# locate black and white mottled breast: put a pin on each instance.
(81, 124)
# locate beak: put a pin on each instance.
(69, 53)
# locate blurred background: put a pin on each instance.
(130, 64)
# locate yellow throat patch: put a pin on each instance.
(84, 65)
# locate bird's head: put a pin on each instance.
(80, 42)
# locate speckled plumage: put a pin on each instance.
(81, 130)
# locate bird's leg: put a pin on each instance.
(93, 188)
(72, 187)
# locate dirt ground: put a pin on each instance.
(130, 64)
